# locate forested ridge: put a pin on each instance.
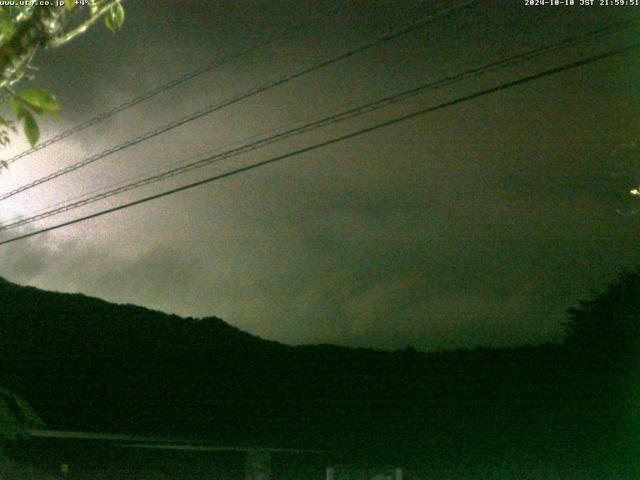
(86, 364)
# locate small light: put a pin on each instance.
(635, 191)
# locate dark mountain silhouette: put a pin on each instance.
(86, 364)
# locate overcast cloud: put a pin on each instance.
(480, 224)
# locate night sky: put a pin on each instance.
(479, 224)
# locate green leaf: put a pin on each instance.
(115, 18)
(7, 28)
(17, 107)
(31, 129)
(40, 99)
(93, 8)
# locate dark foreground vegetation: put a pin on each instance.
(550, 411)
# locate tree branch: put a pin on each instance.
(67, 37)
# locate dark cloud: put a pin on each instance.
(478, 224)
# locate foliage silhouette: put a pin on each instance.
(603, 342)
(16, 416)
(606, 327)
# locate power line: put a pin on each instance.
(387, 123)
(169, 85)
(332, 119)
(189, 159)
(424, 22)
(571, 41)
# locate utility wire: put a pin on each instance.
(102, 189)
(218, 62)
(332, 119)
(424, 22)
(316, 146)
